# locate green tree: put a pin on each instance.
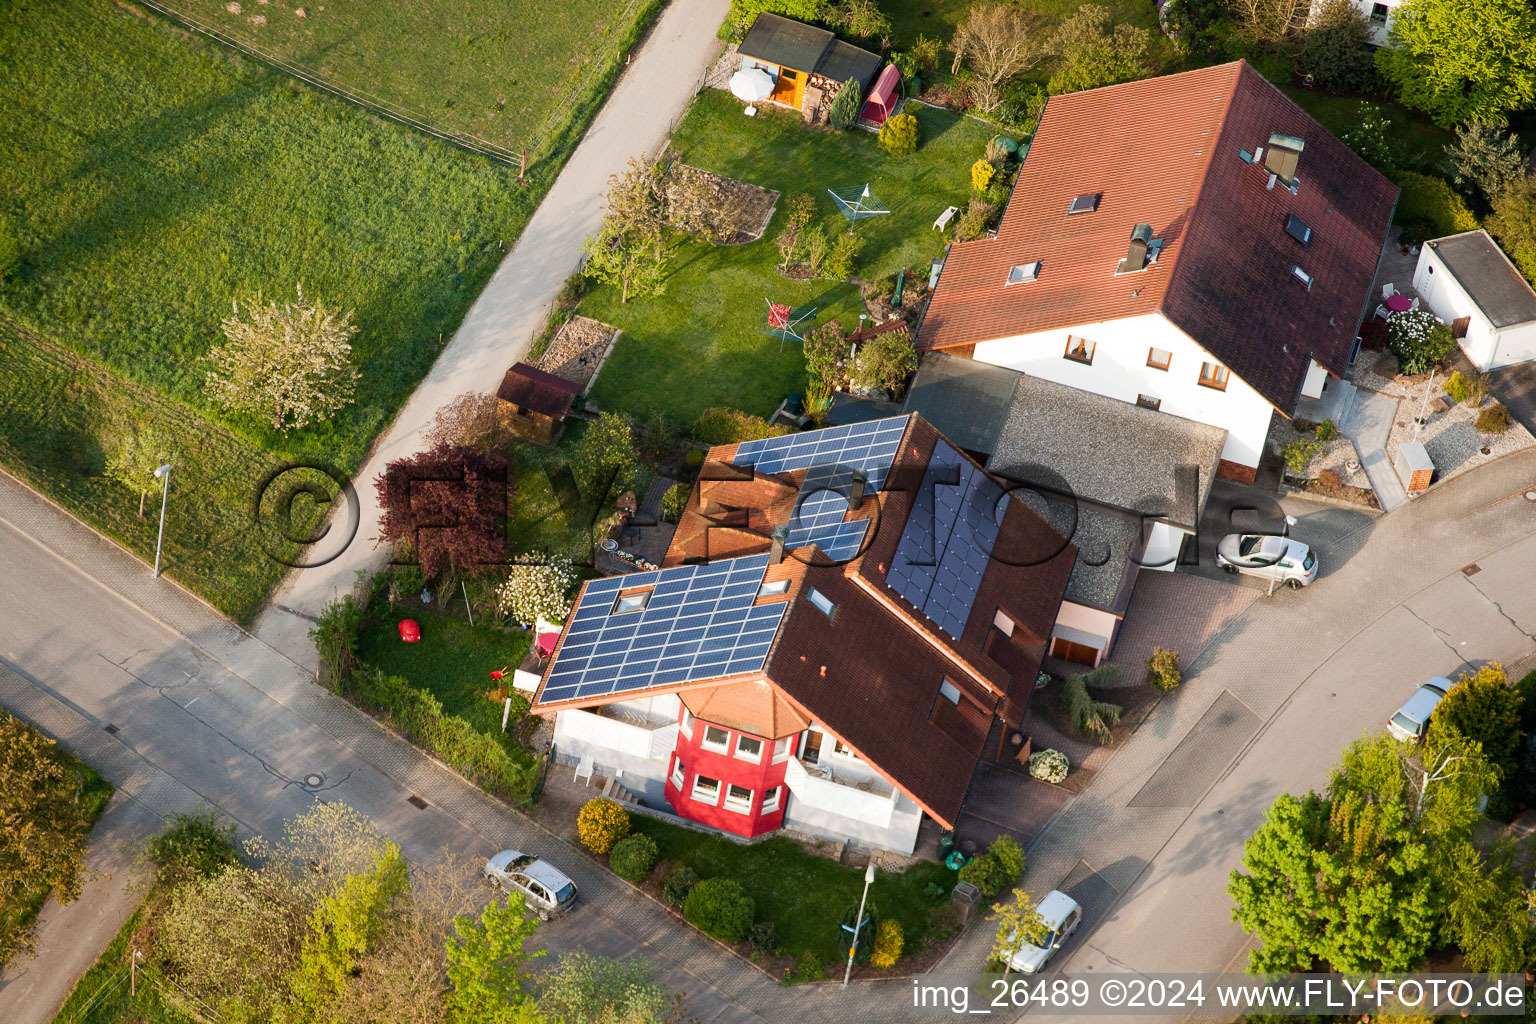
(1344, 881)
(1486, 910)
(844, 110)
(487, 966)
(1485, 157)
(1513, 223)
(1441, 790)
(1019, 924)
(1094, 56)
(345, 925)
(626, 259)
(605, 454)
(1462, 60)
(1090, 717)
(585, 989)
(135, 456)
(1335, 47)
(1483, 707)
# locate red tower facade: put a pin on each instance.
(728, 779)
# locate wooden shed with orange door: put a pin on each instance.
(810, 63)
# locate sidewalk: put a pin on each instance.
(635, 121)
(1368, 423)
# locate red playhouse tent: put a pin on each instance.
(882, 97)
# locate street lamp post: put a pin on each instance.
(858, 922)
(163, 474)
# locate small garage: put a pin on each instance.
(1467, 281)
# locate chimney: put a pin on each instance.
(856, 495)
(776, 553)
(1283, 156)
(1136, 252)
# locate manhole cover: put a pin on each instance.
(111, 729)
(1471, 570)
(1530, 495)
(314, 780)
(416, 802)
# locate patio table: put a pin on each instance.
(1398, 303)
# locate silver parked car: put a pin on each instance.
(1409, 722)
(1280, 559)
(545, 887)
(1061, 915)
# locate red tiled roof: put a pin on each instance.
(532, 388)
(1165, 152)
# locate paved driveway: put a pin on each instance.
(1515, 386)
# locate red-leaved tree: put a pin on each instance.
(448, 506)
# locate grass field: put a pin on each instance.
(696, 345)
(505, 72)
(803, 894)
(103, 994)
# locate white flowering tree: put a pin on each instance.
(1419, 340)
(291, 363)
(537, 586)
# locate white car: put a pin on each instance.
(1409, 722)
(547, 889)
(1062, 915)
(1268, 557)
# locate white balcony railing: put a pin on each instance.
(869, 801)
(631, 734)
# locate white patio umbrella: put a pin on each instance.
(752, 84)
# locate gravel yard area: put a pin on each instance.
(578, 350)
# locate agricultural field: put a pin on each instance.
(510, 73)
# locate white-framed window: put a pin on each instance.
(773, 589)
(781, 749)
(749, 748)
(716, 739)
(1024, 273)
(706, 790)
(738, 798)
(949, 691)
(771, 800)
(1002, 623)
(1302, 276)
(687, 723)
(679, 773)
(842, 749)
(821, 601)
(631, 602)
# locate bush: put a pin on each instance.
(884, 361)
(694, 459)
(763, 937)
(900, 135)
(845, 107)
(1493, 420)
(195, 846)
(1009, 855)
(721, 908)
(1329, 478)
(973, 223)
(1049, 766)
(997, 869)
(537, 587)
(1468, 389)
(888, 945)
(1419, 340)
(1298, 454)
(674, 503)
(601, 824)
(633, 857)
(1163, 669)
(838, 263)
(982, 173)
(1326, 431)
(335, 637)
(679, 884)
(1433, 201)
(808, 967)
(1374, 138)
(1335, 48)
(732, 426)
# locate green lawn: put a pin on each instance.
(697, 346)
(1422, 140)
(507, 72)
(452, 661)
(803, 894)
(104, 996)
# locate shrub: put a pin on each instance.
(1049, 766)
(763, 937)
(694, 459)
(1092, 718)
(973, 223)
(674, 503)
(1326, 431)
(888, 945)
(982, 173)
(1009, 855)
(808, 967)
(1329, 478)
(1163, 669)
(996, 156)
(1467, 388)
(335, 637)
(195, 846)
(1493, 420)
(1373, 137)
(679, 884)
(837, 265)
(721, 908)
(997, 869)
(732, 426)
(537, 586)
(1432, 200)
(604, 458)
(1096, 56)
(884, 361)
(1419, 340)
(1298, 454)
(633, 857)
(900, 135)
(601, 824)
(844, 110)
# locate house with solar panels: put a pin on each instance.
(845, 620)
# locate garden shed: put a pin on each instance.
(882, 97)
(534, 404)
(809, 64)
(1470, 284)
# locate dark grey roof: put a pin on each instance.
(848, 408)
(793, 44)
(1486, 274)
(844, 61)
(1104, 574)
(967, 400)
(1105, 450)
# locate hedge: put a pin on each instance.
(1431, 201)
(418, 716)
(730, 426)
(720, 907)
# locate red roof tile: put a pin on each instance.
(1165, 152)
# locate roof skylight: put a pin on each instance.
(1024, 273)
(1084, 204)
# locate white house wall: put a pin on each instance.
(639, 755)
(898, 834)
(1120, 370)
(1449, 301)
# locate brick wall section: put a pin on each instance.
(1236, 471)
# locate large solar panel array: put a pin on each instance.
(870, 446)
(699, 623)
(819, 519)
(947, 540)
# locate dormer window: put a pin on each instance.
(1302, 276)
(1083, 204)
(1024, 273)
(1282, 158)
